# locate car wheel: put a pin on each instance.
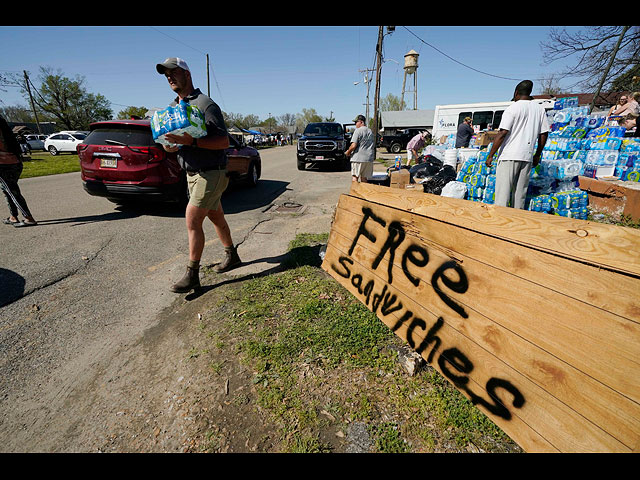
(53, 150)
(395, 148)
(302, 165)
(252, 175)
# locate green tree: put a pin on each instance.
(68, 102)
(308, 115)
(240, 120)
(391, 103)
(628, 81)
(133, 112)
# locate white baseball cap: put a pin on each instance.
(172, 62)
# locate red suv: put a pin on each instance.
(119, 160)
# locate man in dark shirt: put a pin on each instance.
(205, 161)
(465, 132)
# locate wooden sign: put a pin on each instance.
(535, 318)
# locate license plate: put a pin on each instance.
(109, 162)
(319, 157)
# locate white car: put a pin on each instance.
(36, 141)
(64, 142)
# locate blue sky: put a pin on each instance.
(277, 70)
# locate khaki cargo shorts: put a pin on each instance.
(363, 170)
(206, 188)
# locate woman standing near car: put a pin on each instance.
(10, 171)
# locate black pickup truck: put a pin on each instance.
(323, 142)
(397, 141)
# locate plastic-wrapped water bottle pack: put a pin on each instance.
(578, 144)
(183, 118)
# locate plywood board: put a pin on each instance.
(543, 335)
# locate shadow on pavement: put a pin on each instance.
(307, 255)
(11, 286)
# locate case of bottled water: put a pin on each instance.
(183, 118)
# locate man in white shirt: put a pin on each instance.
(523, 123)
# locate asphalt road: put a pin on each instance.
(92, 277)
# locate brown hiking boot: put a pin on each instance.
(231, 261)
(188, 282)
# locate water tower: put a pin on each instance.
(410, 67)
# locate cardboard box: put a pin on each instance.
(400, 178)
(486, 138)
(614, 197)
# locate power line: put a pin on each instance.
(454, 60)
(179, 41)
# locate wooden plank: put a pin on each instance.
(594, 243)
(539, 366)
(570, 405)
(556, 427)
(610, 335)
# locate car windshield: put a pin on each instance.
(128, 135)
(329, 129)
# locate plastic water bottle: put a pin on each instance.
(398, 163)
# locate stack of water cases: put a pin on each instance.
(183, 118)
(578, 144)
(480, 179)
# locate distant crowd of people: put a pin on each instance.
(271, 140)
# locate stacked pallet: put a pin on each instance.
(535, 318)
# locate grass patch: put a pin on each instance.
(321, 361)
(43, 163)
(619, 220)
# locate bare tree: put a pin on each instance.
(592, 49)
(287, 119)
(550, 85)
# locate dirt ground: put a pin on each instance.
(159, 395)
(179, 404)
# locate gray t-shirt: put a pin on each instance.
(365, 149)
(193, 158)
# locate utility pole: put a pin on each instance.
(606, 72)
(33, 107)
(376, 99)
(367, 80)
(208, 82)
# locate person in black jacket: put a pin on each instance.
(464, 134)
(10, 171)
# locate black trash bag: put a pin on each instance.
(435, 183)
(427, 168)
